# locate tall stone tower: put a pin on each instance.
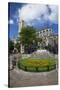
(21, 24)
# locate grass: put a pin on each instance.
(37, 65)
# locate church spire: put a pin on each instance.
(21, 24)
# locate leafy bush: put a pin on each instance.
(10, 46)
(17, 46)
(36, 65)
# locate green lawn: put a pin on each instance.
(37, 65)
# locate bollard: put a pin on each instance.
(36, 69)
(47, 68)
(25, 68)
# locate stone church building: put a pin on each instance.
(46, 34)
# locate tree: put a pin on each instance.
(10, 46)
(28, 37)
(17, 46)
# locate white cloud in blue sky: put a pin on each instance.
(36, 15)
(31, 12)
(11, 21)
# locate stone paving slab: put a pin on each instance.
(20, 78)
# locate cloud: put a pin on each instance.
(36, 12)
(53, 17)
(11, 21)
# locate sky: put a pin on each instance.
(37, 15)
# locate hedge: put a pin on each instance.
(37, 65)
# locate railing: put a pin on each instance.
(38, 69)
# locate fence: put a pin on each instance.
(38, 69)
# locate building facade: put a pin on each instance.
(46, 35)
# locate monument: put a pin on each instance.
(21, 24)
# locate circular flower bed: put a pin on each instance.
(37, 65)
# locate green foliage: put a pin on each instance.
(28, 37)
(10, 46)
(17, 45)
(37, 65)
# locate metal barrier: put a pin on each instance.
(38, 69)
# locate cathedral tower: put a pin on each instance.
(21, 24)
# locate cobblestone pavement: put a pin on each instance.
(20, 78)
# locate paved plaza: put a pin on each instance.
(20, 78)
